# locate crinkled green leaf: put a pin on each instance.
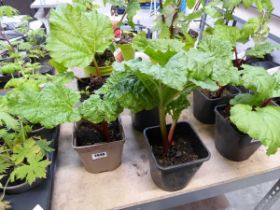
(249, 29)
(217, 47)
(258, 80)
(51, 106)
(262, 49)
(36, 168)
(259, 123)
(159, 50)
(10, 68)
(97, 110)
(128, 91)
(276, 91)
(228, 33)
(77, 35)
(7, 120)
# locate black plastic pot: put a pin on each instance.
(203, 107)
(22, 187)
(174, 177)
(230, 142)
(46, 67)
(144, 119)
(265, 64)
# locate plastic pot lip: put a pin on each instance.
(168, 168)
(74, 141)
(231, 124)
(217, 99)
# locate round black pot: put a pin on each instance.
(22, 187)
(44, 132)
(231, 143)
(144, 119)
(174, 177)
(203, 107)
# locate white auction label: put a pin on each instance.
(99, 155)
(38, 207)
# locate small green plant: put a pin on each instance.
(254, 113)
(22, 156)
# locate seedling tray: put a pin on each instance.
(42, 194)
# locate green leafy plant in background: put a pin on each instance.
(254, 113)
(71, 48)
(22, 157)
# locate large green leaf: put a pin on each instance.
(51, 106)
(77, 35)
(258, 80)
(259, 123)
(231, 34)
(159, 50)
(128, 91)
(262, 49)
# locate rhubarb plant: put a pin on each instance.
(71, 48)
(143, 85)
(254, 113)
(48, 104)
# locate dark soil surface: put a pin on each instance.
(216, 94)
(181, 152)
(88, 133)
(88, 85)
(104, 59)
(126, 38)
(193, 33)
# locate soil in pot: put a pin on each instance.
(174, 170)
(89, 134)
(88, 85)
(229, 141)
(104, 59)
(179, 153)
(204, 102)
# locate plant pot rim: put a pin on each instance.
(217, 99)
(182, 165)
(74, 142)
(233, 126)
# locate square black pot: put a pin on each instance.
(174, 177)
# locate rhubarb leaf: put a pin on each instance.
(51, 106)
(97, 110)
(128, 91)
(76, 35)
(262, 49)
(259, 123)
(258, 80)
(159, 50)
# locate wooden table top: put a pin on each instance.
(131, 183)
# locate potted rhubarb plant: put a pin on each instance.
(175, 150)
(89, 50)
(99, 137)
(251, 118)
(255, 28)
